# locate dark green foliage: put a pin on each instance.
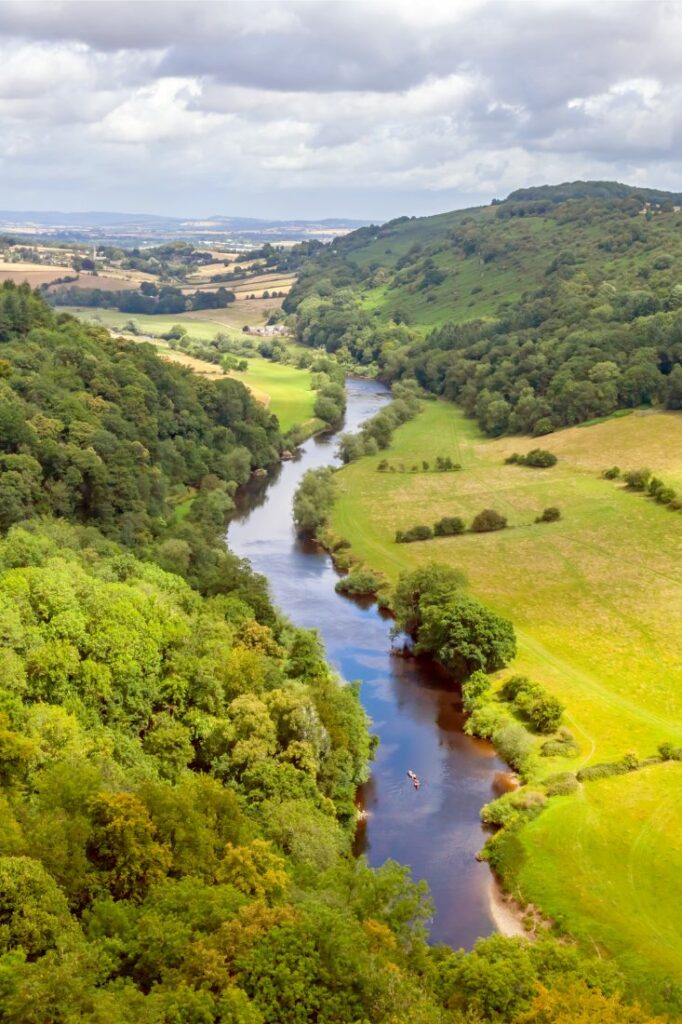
(465, 636)
(637, 479)
(448, 526)
(414, 533)
(167, 300)
(669, 752)
(330, 403)
(549, 515)
(629, 763)
(539, 708)
(539, 458)
(488, 520)
(475, 691)
(431, 584)
(611, 474)
(313, 500)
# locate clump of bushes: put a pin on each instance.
(414, 533)
(669, 752)
(549, 515)
(514, 744)
(561, 745)
(488, 520)
(443, 464)
(562, 784)
(532, 702)
(449, 526)
(637, 479)
(358, 582)
(511, 806)
(629, 763)
(538, 458)
(642, 481)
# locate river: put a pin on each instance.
(412, 703)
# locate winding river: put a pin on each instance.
(411, 702)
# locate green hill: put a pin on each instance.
(554, 306)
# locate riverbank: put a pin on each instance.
(590, 597)
(414, 711)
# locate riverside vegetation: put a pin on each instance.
(557, 308)
(177, 762)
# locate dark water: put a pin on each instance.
(412, 704)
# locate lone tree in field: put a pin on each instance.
(488, 520)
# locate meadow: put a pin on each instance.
(595, 599)
(283, 389)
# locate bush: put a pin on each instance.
(637, 479)
(514, 744)
(475, 691)
(448, 526)
(358, 582)
(511, 806)
(530, 700)
(540, 458)
(611, 474)
(488, 520)
(562, 784)
(561, 745)
(414, 533)
(665, 495)
(669, 752)
(485, 720)
(629, 763)
(549, 515)
(313, 500)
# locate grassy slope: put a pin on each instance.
(594, 600)
(473, 288)
(284, 389)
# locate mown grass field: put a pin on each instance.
(284, 390)
(596, 601)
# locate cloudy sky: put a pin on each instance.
(311, 109)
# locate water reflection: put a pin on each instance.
(415, 707)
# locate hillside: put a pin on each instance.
(552, 307)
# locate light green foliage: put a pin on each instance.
(313, 500)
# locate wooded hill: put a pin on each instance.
(555, 306)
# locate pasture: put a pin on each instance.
(596, 601)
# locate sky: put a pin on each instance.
(317, 109)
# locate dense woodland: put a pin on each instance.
(178, 764)
(556, 306)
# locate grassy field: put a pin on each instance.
(285, 390)
(606, 864)
(595, 599)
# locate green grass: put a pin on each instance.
(284, 389)
(606, 863)
(155, 326)
(595, 599)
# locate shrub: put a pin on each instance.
(514, 744)
(485, 721)
(561, 745)
(629, 763)
(510, 806)
(488, 520)
(414, 533)
(514, 459)
(665, 495)
(669, 752)
(540, 458)
(637, 479)
(562, 784)
(549, 515)
(475, 691)
(448, 526)
(358, 582)
(530, 700)
(611, 474)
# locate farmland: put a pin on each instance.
(595, 600)
(284, 389)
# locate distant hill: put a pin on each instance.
(140, 228)
(554, 306)
(470, 263)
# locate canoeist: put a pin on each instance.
(411, 775)
(416, 783)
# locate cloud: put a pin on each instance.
(322, 108)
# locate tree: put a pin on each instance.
(123, 846)
(488, 520)
(313, 500)
(430, 584)
(465, 636)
